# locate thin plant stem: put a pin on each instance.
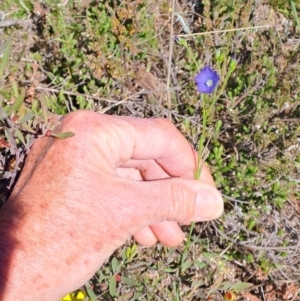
(171, 44)
(220, 31)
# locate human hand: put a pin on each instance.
(79, 199)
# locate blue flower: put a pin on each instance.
(207, 80)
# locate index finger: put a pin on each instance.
(158, 139)
(123, 139)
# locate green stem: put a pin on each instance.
(202, 138)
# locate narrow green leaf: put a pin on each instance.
(10, 140)
(112, 285)
(27, 117)
(44, 109)
(226, 285)
(128, 252)
(128, 281)
(5, 58)
(240, 286)
(201, 295)
(133, 252)
(18, 103)
(170, 270)
(127, 296)
(101, 277)
(63, 135)
(295, 14)
(27, 128)
(20, 136)
(114, 265)
(185, 265)
(91, 293)
(216, 286)
(200, 264)
(184, 253)
(197, 283)
(19, 100)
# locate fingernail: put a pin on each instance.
(209, 204)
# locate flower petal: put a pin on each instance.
(207, 80)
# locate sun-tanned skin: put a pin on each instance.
(78, 199)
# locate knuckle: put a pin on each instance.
(165, 123)
(77, 119)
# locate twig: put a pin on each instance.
(262, 292)
(9, 23)
(220, 31)
(233, 199)
(296, 247)
(55, 90)
(171, 43)
(120, 102)
(74, 94)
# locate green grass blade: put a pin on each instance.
(5, 57)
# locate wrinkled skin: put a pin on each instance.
(79, 199)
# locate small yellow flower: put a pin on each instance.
(229, 296)
(80, 296)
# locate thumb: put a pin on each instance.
(176, 199)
